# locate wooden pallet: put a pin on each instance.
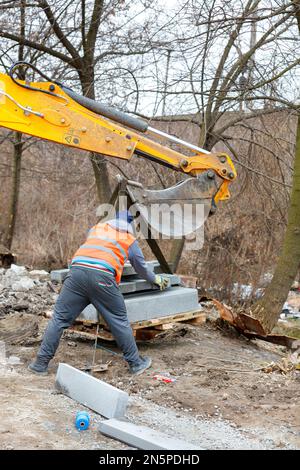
(142, 330)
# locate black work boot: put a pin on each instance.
(39, 367)
(144, 364)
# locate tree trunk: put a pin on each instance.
(101, 177)
(98, 161)
(16, 177)
(202, 134)
(267, 310)
(18, 147)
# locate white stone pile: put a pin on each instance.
(19, 279)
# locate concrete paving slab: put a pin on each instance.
(142, 437)
(136, 285)
(59, 275)
(129, 271)
(97, 395)
(155, 304)
(149, 305)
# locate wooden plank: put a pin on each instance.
(165, 326)
(169, 319)
(198, 320)
(287, 341)
(145, 334)
(154, 321)
(142, 331)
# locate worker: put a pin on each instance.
(93, 278)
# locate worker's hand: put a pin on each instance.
(162, 281)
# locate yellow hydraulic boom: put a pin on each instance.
(50, 111)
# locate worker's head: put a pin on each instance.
(124, 215)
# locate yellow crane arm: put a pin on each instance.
(49, 111)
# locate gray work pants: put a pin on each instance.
(82, 287)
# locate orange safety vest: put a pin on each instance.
(105, 243)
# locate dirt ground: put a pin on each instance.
(220, 400)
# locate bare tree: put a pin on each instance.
(220, 72)
(227, 54)
(18, 148)
(83, 34)
(232, 66)
(267, 309)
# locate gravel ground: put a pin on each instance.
(221, 398)
(207, 434)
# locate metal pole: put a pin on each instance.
(95, 349)
(178, 141)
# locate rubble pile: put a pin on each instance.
(25, 290)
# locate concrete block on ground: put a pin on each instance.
(142, 437)
(155, 304)
(59, 275)
(97, 395)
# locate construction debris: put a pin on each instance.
(14, 361)
(251, 327)
(166, 378)
(23, 290)
(285, 365)
(15, 278)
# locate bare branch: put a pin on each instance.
(94, 26)
(37, 46)
(59, 33)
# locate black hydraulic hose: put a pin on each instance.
(107, 111)
(96, 107)
(20, 64)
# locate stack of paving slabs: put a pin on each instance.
(143, 300)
